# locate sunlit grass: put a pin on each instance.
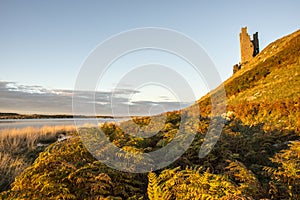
(19, 148)
(12, 139)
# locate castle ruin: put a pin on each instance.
(249, 48)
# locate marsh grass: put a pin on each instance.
(16, 141)
(19, 148)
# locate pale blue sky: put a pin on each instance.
(44, 43)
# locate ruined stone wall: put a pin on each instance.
(247, 47)
(255, 44)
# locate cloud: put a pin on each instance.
(36, 99)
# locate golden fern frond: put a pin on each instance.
(155, 190)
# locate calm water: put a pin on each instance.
(21, 123)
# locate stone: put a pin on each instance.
(249, 48)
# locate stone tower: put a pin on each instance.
(249, 48)
(255, 44)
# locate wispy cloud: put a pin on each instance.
(36, 99)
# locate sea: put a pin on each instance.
(22, 123)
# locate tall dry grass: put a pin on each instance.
(13, 139)
(19, 148)
(10, 167)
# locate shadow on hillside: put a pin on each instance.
(251, 145)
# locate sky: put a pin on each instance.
(43, 45)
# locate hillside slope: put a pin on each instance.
(257, 155)
(266, 89)
(274, 73)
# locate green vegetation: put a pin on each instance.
(245, 163)
(20, 147)
(266, 90)
(286, 174)
(194, 184)
(66, 170)
(256, 157)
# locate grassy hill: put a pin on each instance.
(266, 89)
(256, 157)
